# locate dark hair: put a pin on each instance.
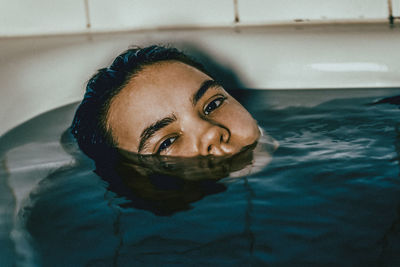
(89, 124)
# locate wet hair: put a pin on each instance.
(89, 124)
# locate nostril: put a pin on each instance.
(221, 139)
(209, 148)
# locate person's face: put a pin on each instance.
(171, 108)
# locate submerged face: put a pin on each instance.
(170, 108)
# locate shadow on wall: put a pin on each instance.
(222, 71)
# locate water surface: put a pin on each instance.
(328, 196)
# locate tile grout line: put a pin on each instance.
(87, 14)
(236, 11)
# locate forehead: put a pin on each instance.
(161, 85)
(158, 77)
(155, 92)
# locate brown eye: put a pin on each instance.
(213, 105)
(166, 143)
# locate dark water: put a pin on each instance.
(329, 196)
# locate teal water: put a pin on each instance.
(328, 196)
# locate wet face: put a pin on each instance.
(173, 109)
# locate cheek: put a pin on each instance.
(185, 146)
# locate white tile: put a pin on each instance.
(27, 17)
(396, 8)
(126, 14)
(257, 11)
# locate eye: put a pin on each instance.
(214, 104)
(166, 143)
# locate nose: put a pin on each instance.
(215, 141)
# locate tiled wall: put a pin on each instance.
(127, 14)
(31, 17)
(37, 17)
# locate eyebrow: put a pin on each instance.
(152, 129)
(207, 84)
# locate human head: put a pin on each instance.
(154, 88)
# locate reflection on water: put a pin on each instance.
(165, 184)
(329, 196)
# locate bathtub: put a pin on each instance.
(290, 66)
